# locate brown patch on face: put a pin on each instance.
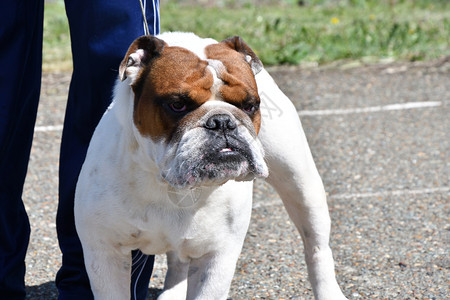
(239, 86)
(256, 119)
(176, 76)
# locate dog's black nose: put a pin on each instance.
(220, 122)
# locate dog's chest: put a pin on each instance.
(190, 231)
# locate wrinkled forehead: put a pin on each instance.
(219, 74)
(179, 71)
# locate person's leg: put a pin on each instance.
(101, 32)
(20, 82)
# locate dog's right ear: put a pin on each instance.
(139, 54)
(238, 44)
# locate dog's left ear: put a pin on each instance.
(139, 54)
(238, 44)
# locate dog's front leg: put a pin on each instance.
(175, 284)
(109, 273)
(210, 275)
(294, 175)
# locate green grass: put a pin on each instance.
(56, 46)
(325, 32)
(320, 31)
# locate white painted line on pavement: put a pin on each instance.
(396, 193)
(48, 128)
(392, 193)
(370, 109)
(325, 112)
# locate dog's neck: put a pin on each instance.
(122, 107)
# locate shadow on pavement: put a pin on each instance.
(45, 291)
(48, 291)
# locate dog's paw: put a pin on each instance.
(332, 296)
(172, 294)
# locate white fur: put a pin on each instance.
(187, 40)
(123, 203)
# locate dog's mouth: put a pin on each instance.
(229, 150)
(219, 160)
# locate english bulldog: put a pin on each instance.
(170, 167)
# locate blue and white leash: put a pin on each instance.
(146, 30)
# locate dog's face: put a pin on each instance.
(199, 118)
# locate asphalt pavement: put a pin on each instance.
(380, 136)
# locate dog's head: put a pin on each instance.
(198, 116)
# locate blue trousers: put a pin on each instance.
(101, 31)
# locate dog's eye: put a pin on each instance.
(178, 106)
(249, 108)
